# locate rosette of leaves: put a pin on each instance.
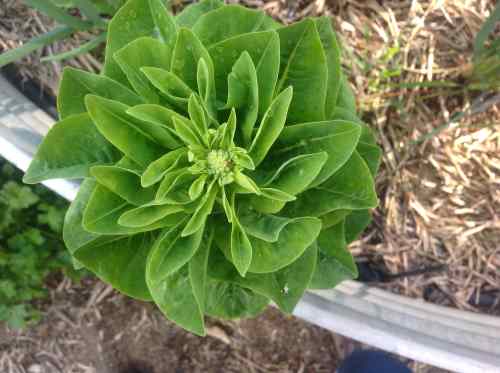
(224, 163)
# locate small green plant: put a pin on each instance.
(486, 63)
(224, 163)
(31, 221)
(93, 12)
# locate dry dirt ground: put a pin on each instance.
(89, 328)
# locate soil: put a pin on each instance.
(90, 328)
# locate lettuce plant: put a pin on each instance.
(224, 165)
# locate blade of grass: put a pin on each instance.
(82, 49)
(486, 29)
(90, 11)
(58, 14)
(431, 84)
(480, 105)
(58, 33)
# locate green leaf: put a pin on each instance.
(246, 182)
(141, 52)
(304, 67)
(76, 84)
(147, 214)
(198, 268)
(161, 124)
(297, 173)
(109, 257)
(291, 281)
(178, 192)
(186, 131)
(112, 121)
(285, 287)
(330, 271)
(164, 22)
(172, 251)
(332, 239)
(346, 114)
(264, 226)
(157, 169)
(356, 223)
(33, 44)
(242, 158)
(332, 54)
(71, 147)
(16, 197)
(196, 189)
(294, 238)
(228, 136)
(104, 210)
(170, 85)
(133, 20)
(191, 13)
(178, 295)
(170, 179)
(270, 200)
(226, 22)
(124, 183)
(7, 289)
(271, 126)
(369, 151)
(367, 145)
(371, 154)
(332, 218)
(206, 88)
(73, 233)
(226, 205)
(241, 248)
(188, 51)
(337, 138)
(276, 195)
(335, 263)
(130, 165)
(231, 301)
(350, 188)
(268, 257)
(346, 98)
(197, 116)
(243, 95)
(205, 206)
(264, 48)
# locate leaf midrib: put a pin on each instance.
(291, 57)
(313, 139)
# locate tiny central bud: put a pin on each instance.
(219, 162)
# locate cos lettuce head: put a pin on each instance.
(223, 162)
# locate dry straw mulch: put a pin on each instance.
(440, 198)
(19, 23)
